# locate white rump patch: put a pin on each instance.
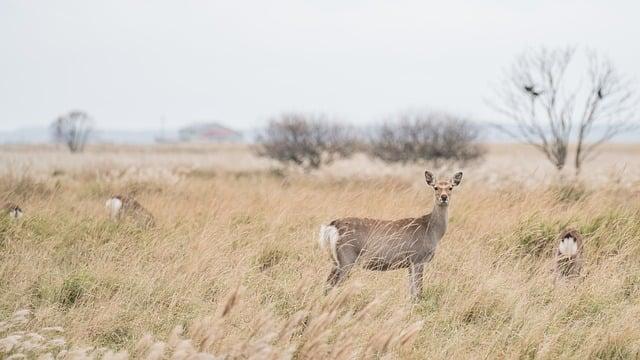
(114, 205)
(568, 246)
(15, 214)
(329, 239)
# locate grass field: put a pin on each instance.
(233, 263)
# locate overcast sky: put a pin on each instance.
(132, 63)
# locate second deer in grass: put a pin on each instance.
(14, 211)
(568, 260)
(389, 245)
(120, 206)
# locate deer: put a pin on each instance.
(384, 245)
(120, 206)
(568, 257)
(13, 210)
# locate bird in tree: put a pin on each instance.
(600, 93)
(531, 90)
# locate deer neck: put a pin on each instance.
(438, 220)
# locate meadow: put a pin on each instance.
(233, 268)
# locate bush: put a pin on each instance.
(423, 137)
(304, 140)
(72, 129)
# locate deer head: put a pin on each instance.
(443, 187)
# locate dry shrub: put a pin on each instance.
(421, 137)
(305, 140)
(72, 129)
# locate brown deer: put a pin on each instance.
(389, 245)
(568, 259)
(120, 206)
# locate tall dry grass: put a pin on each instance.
(117, 290)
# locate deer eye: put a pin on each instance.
(450, 188)
(435, 188)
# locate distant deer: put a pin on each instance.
(14, 211)
(120, 206)
(389, 245)
(568, 259)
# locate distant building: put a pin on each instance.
(208, 132)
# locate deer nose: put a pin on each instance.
(444, 197)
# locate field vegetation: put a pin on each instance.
(233, 269)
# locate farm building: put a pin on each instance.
(209, 132)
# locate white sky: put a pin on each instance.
(132, 63)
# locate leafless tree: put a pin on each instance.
(427, 136)
(306, 140)
(72, 129)
(610, 104)
(547, 110)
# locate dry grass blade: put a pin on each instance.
(231, 301)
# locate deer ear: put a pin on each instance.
(431, 180)
(457, 178)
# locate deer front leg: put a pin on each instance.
(415, 280)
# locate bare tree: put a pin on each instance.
(610, 104)
(538, 97)
(530, 98)
(72, 129)
(417, 137)
(305, 140)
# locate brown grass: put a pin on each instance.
(244, 240)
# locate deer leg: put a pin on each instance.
(415, 280)
(334, 276)
(346, 259)
(337, 276)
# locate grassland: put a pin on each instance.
(234, 265)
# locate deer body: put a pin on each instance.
(389, 245)
(120, 206)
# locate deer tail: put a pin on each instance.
(329, 240)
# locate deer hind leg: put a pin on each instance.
(346, 257)
(415, 280)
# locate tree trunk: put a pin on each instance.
(578, 158)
